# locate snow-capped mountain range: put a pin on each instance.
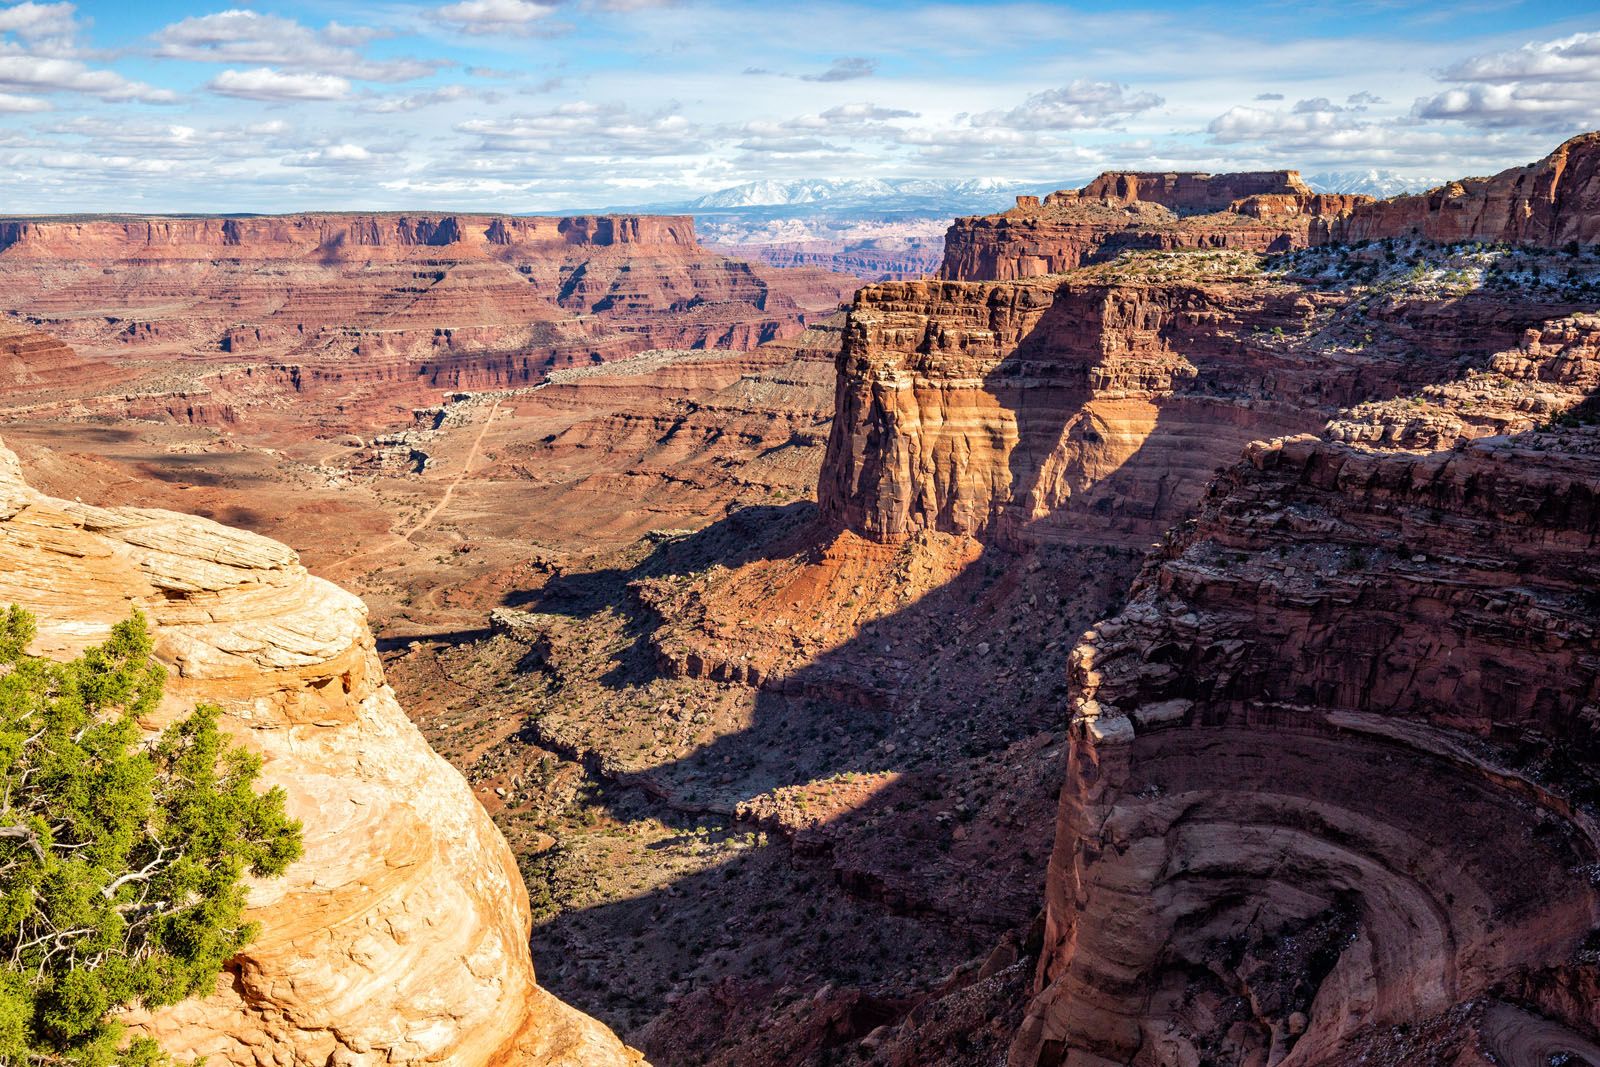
(878, 192)
(1379, 183)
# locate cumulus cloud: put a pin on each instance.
(586, 130)
(1080, 105)
(1542, 85)
(246, 37)
(1307, 117)
(449, 94)
(517, 17)
(34, 21)
(853, 113)
(29, 73)
(264, 83)
(1574, 58)
(1269, 96)
(336, 155)
(847, 68)
(12, 104)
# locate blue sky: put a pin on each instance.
(538, 105)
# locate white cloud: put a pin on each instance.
(264, 83)
(246, 37)
(42, 74)
(33, 21)
(12, 104)
(1542, 85)
(1080, 105)
(449, 94)
(585, 130)
(847, 68)
(517, 17)
(336, 155)
(1574, 58)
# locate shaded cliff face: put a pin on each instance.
(1332, 785)
(1548, 203)
(401, 936)
(1270, 211)
(1094, 408)
(365, 309)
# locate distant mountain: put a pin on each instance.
(964, 195)
(1379, 183)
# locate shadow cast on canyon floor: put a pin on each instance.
(927, 744)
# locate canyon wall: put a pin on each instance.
(1549, 203)
(1094, 409)
(401, 937)
(1332, 770)
(373, 309)
(335, 236)
(1270, 211)
(1331, 790)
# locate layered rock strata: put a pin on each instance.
(1270, 211)
(401, 936)
(1332, 788)
(1095, 408)
(391, 306)
(1549, 203)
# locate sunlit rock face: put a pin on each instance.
(1550, 203)
(401, 937)
(1095, 408)
(392, 305)
(1264, 211)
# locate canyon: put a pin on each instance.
(1165, 636)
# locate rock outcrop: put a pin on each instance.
(1549, 203)
(401, 936)
(1095, 408)
(365, 309)
(1270, 211)
(874, 259)
(1332, 789)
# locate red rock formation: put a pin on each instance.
(1094, 409)
(1548, 203)
(1117, 212)
(1332, 773)
(1184, 192)
(378, 308)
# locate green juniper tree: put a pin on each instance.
(121, 861)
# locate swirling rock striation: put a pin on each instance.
(401, 936)
(1332, 779)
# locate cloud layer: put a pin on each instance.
(552, 104)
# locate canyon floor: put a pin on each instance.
(807, 857)
(767, 659)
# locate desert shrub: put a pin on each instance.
(121, 860)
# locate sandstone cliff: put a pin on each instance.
(1270, 211)
(363, 310)
(1549, 203)
(401, 937)
(1094, 408)
(1332, 777)
(1298, 755)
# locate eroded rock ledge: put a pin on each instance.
(401, 937)
(1332, 787)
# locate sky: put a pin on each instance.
(547, 105)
